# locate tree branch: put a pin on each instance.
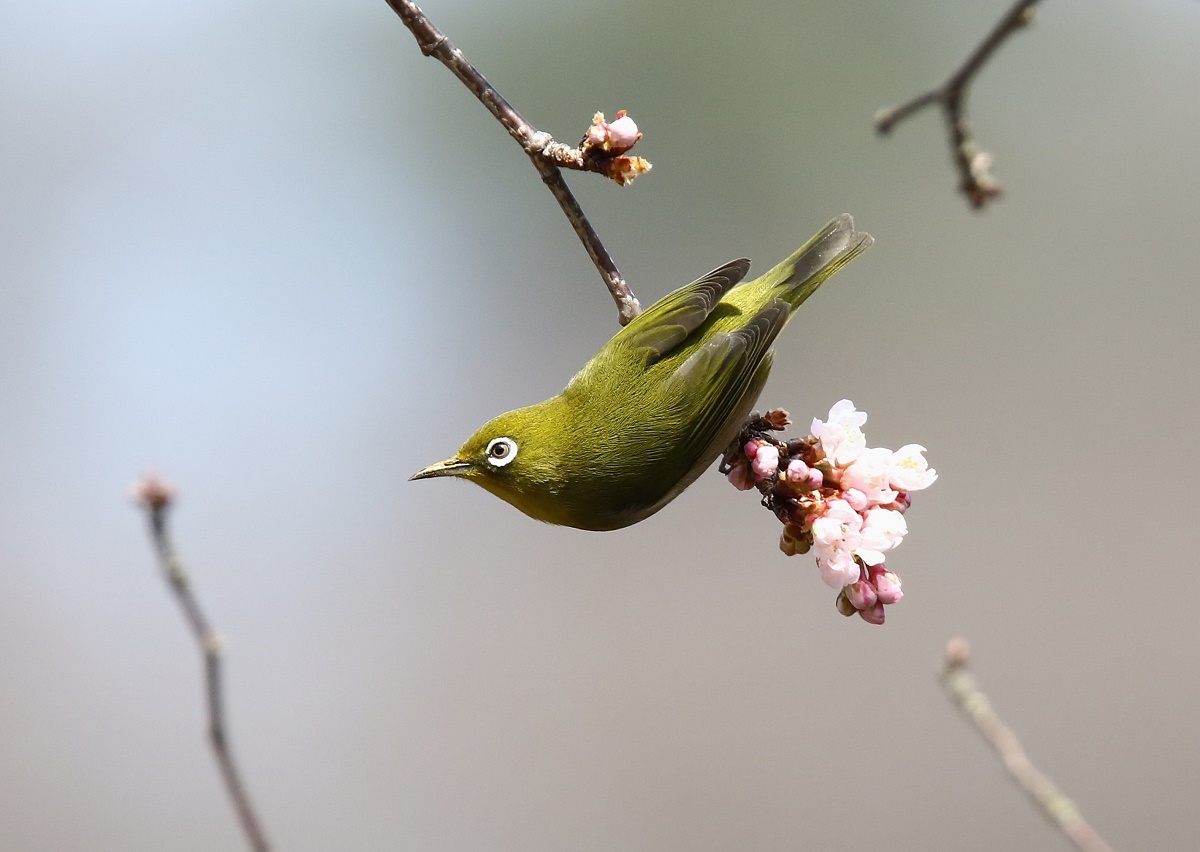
(155, 496)
(974, 165)
(962, 689)
(548, 156)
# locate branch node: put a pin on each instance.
(974, 166)
(547, 155)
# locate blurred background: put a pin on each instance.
(273, 252)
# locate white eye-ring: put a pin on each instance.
(501, 451)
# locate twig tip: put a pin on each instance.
(152, 492)
(958, 652)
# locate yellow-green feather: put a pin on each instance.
(657, 404)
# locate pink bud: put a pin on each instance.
(622, 134)
(843, 604)
(857, 500)
(816, 479)
(797, 471)
(596, 136)
(861, 595)
(887, 585)
(874, 615)
(740, 477)
(751, 449)
(766, 462)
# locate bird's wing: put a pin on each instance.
(717, 377)
(668, 322)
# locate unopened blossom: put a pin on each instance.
(153, 492)
(886, 584)
(613, 138)
(797, 471)
(858, 500)
(872, 614)
(841, 435)
(740, 476)
(861, 594)
(766, 462)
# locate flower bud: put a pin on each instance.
(740, 476)
(797, 471)
(857, 500)
(622, 133)
(887, 585)
(611, 138)
(766, 462)
(873, 615)
(861, 595)
(843, 604)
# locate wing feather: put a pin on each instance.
(668, 322)
(717, 376)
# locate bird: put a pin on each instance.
(659, 402)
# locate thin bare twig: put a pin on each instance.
(962, 689)
(155, 496)
(974, 165)
(548, 156)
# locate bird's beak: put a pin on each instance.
(449, 467)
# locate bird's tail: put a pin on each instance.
(833, 247)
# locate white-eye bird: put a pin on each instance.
(657, 404)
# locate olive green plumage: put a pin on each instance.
(657, 404)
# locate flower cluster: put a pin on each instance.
(836, 497)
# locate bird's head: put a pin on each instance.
(512, 456)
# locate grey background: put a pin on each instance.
(272, 251)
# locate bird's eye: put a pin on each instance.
(501, 451)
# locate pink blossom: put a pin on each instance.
(836, 536)
(841, 436)
(909, 471)
(869, 473)
(882, 529)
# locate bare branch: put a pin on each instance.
(155, 496)
(974, 165)
(548, 156)
(962, 689)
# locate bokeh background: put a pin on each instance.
(272, 251)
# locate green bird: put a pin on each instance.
(657, 404)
